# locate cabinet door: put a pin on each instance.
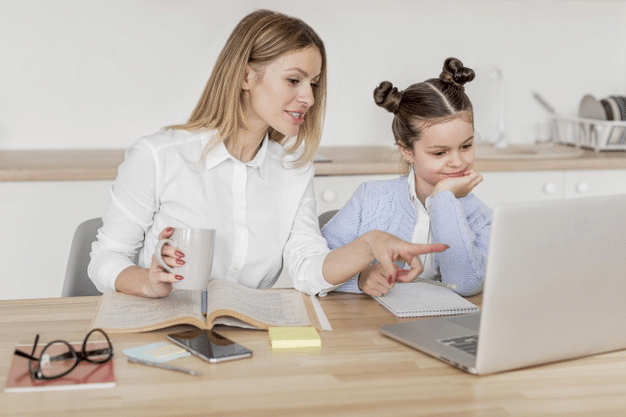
(39, 223)
(519, 186)
(588, 183)
(333, 191)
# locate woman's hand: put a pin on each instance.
(346, 261)
(459, 186)
(388, 249)
(159, 280)
(372, 281)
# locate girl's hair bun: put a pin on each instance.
(388, 96)
(454, 72)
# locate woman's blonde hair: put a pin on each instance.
(258, 39)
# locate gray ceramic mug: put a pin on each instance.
(198, 246)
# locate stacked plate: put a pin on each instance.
(611, 109)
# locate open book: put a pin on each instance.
(418, 299)
(226, 303)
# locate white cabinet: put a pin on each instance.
(40, 217)
(588, 183)
(334, 191)
(516, 187)
(498, 187)
(38, 224)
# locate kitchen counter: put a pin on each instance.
(60, 165)
(101, 164)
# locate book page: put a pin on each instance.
(232, 322)
(124, 311)
(417, 299)
(271, 307)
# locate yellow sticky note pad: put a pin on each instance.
(294, 337)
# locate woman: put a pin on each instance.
(240, 165)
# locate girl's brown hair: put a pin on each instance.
(258, 39)
(427, 103)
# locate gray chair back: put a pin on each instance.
(77, 283)
(326, 216)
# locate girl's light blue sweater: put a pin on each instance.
(463, 224)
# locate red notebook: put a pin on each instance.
(85, 375)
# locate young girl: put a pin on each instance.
(240, 165)
(433, 128)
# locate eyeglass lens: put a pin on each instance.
(97, 347)
(59, 358)
(56, 359)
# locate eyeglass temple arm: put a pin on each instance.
(68, 355)
(25, 355)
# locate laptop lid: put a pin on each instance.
(555, 288)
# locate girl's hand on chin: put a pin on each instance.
(459, 186)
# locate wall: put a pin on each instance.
(95, 73)
(99, 74)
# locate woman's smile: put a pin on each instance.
(297, 118)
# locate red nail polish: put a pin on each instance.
(179, 277)
(169, 229)
(179, 254)
(180, 262)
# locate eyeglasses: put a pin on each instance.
(58, 358)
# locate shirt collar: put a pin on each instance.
(261, 161)
(411, 185)
(413, 194)
(220, 154)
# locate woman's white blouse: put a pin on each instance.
(263, 211)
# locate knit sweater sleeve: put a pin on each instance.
(344, 227)
(464, 225)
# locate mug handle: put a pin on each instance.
(158, 256)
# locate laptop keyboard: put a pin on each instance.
(467, 344)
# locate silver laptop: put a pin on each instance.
(555, 289)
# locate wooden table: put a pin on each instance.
(357, 372)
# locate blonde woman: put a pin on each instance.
(240, 165)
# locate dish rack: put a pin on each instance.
(599, 135)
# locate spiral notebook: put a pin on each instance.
(419, 299)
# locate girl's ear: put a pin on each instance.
(406, 153)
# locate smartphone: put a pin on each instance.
(209, 345)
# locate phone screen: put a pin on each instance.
(209, 345)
